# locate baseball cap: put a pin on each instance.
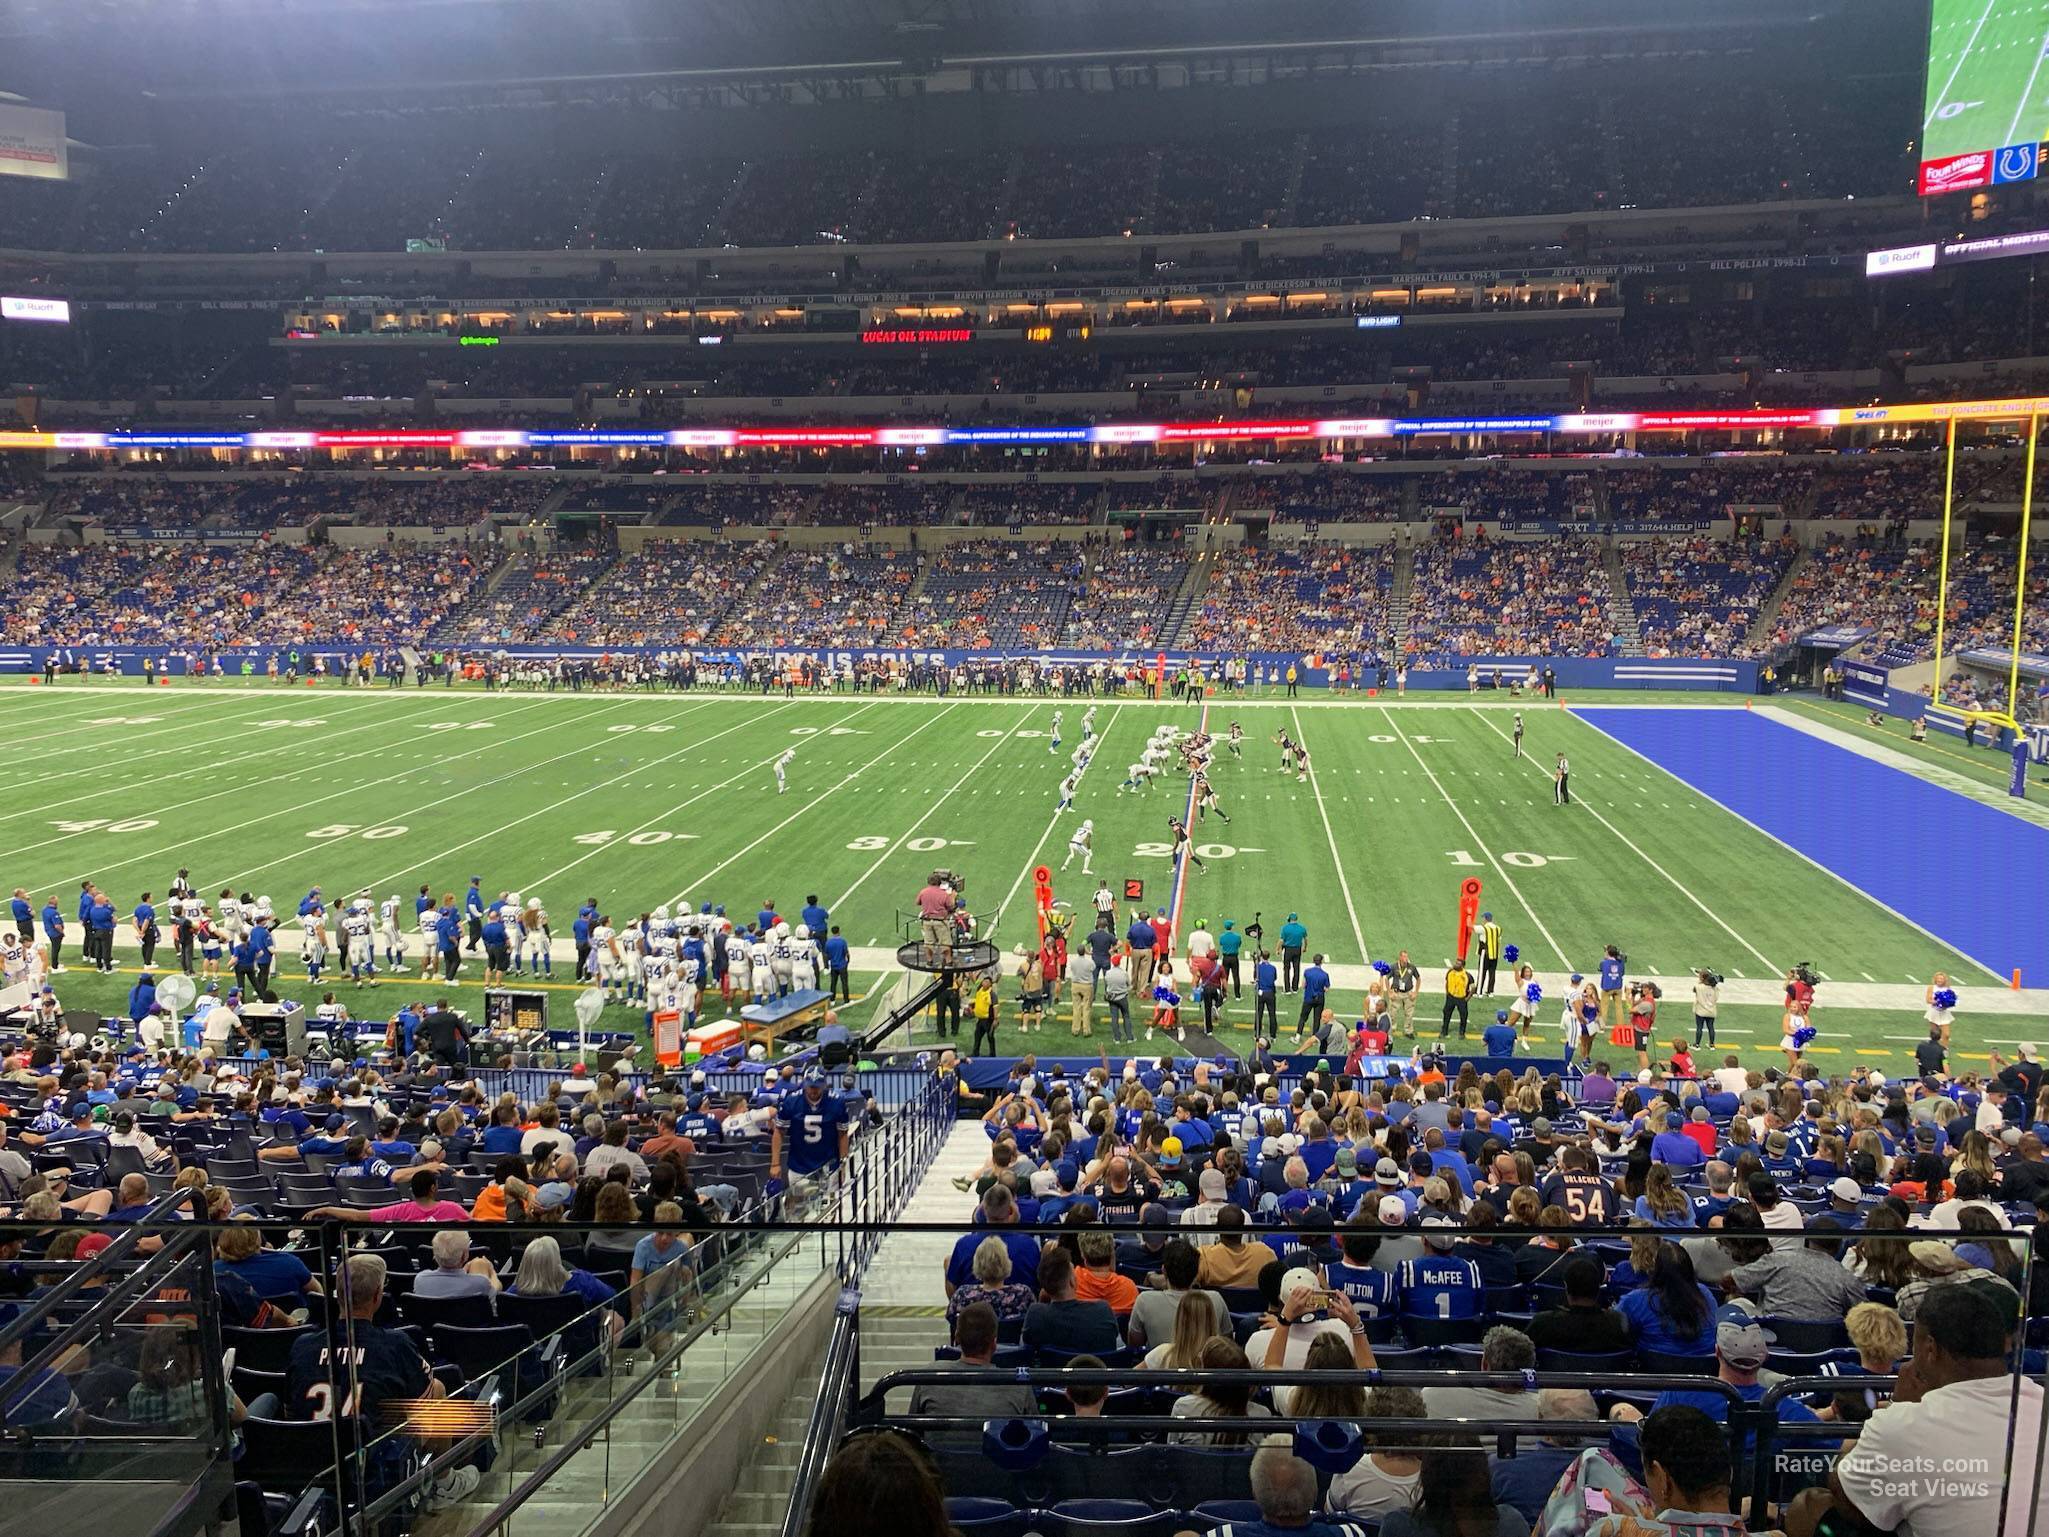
(2027, 1049)
(1439, 1232)
(1068, 1174)
(1932, 1254)
(1673, 1120)
(1213, 1185)
(1844, 1188)
(1170, 1152)
(1301, 1278)
(91, 1244)
(554, 1195)
(1742, 1342)
(1347, 1161)
(1541, 1126)
(1387, 1172)
(1393, 1211)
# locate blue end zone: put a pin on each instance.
(1968, 873)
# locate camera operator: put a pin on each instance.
(936, 903)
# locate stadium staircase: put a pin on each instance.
(1761, 627)
(1399, 596)
(1621, 612)
(1298, 167)
(903, 1300)
(1187, 597)
(755, 1507)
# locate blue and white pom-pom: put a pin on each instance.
(1510, 954)
(1945, 997)
(1802, 1036)
(1533, 993)
(1383, 968)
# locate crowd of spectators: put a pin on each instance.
(849, 596)
(533, 590)
(1700, 597)
(976, 596)
(153, 594)
(1310, 599)
(1130, 590)
(481, 180)
(669, 592)
(1494, 598)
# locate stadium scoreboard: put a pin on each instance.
(1985, 105)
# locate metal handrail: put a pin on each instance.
(534, 1481)
(828, 1412)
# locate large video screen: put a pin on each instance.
(1986, 108)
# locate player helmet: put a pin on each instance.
(533, 904)
(512, 899)
(781, 931)
(803, 931)
(1088, 824)
(662, 911)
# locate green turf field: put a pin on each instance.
(1986, 62)
(642, 799)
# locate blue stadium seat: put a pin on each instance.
(987, 1517)
(1607, 1362)
(1807, 1334)
(1107, 1518)
(1674, 1362)
(1212, 1513)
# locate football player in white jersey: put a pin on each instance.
(314, 942)
(782, 765)
(782, 958)
(686, 983)
(647, 962)
(740, 963)
(390, 935)
(227, 917)
(1081, 756)
(761, 962)
(803, 961)
(1088, 723)
(1083, 843)
(536, 941)
(1054, 746)
(1138, 777)
(1067, 788)
(430, 935)
(608, 966)
(359, 942)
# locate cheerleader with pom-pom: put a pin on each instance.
(1707, 1003)
(1587, 1018)
(1796, 1033)
(1942, 1004)
(1166, 1006)
(1523, 999)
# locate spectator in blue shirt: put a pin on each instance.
(1673, 1313)
(142, 997)
(1499, 1037)
(1672, 1146)
(1266, 978)
(1315, 988)
(53, 930)
(838, 958)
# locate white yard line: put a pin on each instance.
(1629, 843)
(1031, 863)
(557, 805)
(1831, 874)
(815, 802)
(184, 772)
(1337, 862)
(178, 722)
(1956, 69)
(2021, 109)
(459, 793)
(100, 867)
(972, 770)
(242, 787)
(1499, 868)
(666, 812)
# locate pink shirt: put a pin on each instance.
(935, 902)
(413, 1211)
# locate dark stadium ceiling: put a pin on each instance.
(95, 56)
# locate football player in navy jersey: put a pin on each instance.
(810, 1133)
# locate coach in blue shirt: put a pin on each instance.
(1315, 988)
(448, 940)
(53, 930)
(837, 961)
(99, 919)
(261, 953)
(1266, 978)
(814, 917)
(24, 917)
(473, 908)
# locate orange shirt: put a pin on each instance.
(1120, 1291)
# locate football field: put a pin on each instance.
(1986, 67)
(647, 799)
